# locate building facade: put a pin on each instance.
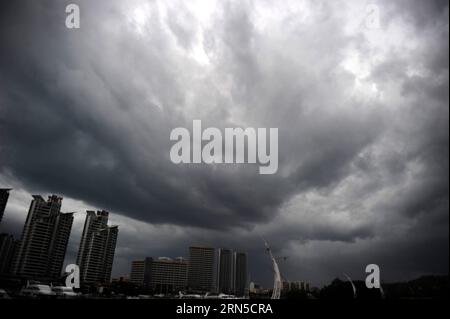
(97, 247)
(226, 271)
(42, 248)
(202, 269)
(241, 274)
(166, 275)
(160, 275)
(137, 272)
(232, 270)
(140, 273)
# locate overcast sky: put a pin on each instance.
(362, 113)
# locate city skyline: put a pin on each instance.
(358, 94)
(102, 217)
(93, 250)
(204, 270)
(40, 252)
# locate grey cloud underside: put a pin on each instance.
(88, 113)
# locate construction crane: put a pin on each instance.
(277, 281)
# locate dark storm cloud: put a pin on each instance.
(362, 117)
(96, 155)
(419, 13)
(71, 100)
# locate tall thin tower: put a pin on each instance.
(226, 270)
(201, 271)
(277, 282)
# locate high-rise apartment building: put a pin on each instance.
(231, 272)
(226, 270)
(42, 248)
(201, 270)
(4, 195)
(241, 274)
(96, 252)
